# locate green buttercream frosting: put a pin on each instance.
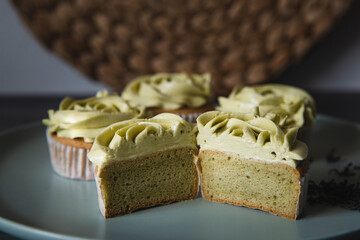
(251, 136)
(295, 107)
(88, 117)
(169, 91)
(136, 137)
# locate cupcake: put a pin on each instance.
(72, 129)
(187, 95)
(294, 106)
(251, 161)
(132, 172)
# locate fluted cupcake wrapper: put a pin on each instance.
(190, 117)
(68, 161)
(100, 198)
(303, 194)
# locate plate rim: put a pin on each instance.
(23, 231)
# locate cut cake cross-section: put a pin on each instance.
(145, 162)
(250, 161)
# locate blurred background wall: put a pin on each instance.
(26, 68)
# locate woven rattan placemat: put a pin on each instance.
(238, 41)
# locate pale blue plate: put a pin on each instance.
(35, 203)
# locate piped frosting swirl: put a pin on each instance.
(169, 91)
(251, 136)
(137, 137)
(295, 107)
(86, 118)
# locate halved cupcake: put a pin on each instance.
(251, 161)
(74, 126)
(145, 162)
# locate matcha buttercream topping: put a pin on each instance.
(294, 105)
(88, 117)
(251, 136)
(137, 137)
(169, 91)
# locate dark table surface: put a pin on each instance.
(17, 111)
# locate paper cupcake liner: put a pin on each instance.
(100, 198)
(68, 161)
(303, 194)
(190, 117)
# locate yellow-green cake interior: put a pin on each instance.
(149, 180)
(227, 177)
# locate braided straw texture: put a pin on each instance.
(239, 42)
